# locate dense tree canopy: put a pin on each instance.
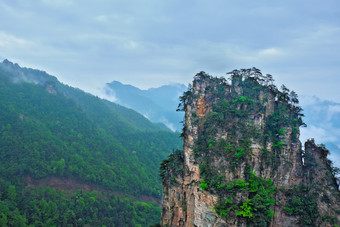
(49, 129)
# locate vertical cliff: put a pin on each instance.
(242, 162)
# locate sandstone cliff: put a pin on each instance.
(242, 162)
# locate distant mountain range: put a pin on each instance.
(157, 104)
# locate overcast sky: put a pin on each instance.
(148, 43)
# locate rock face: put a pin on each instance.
(242, 162)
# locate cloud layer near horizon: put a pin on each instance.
(149, 43)
(323, 124)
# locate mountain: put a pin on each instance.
(70, 158)
(321, 116)
(157, 104)
(242, 162)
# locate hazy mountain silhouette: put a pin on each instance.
(157, 104)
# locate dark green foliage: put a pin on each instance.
(270, 158)
(256, 209)
(156, 225)
(183, 100)
(302, 202)
(69, 133)
(56, 137)
(47, 207)
(225, 114)
(332, 170)
(204, 185)
(275, 129)
(172, 167)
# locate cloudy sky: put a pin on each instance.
(148, 43)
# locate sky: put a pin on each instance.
(323, 124)
(149, 43)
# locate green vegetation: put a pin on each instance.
(303, 203)
(54, 137)
(305, 198)
(256, 209)
(172, 167)
(48, 207)
(69, 133)
(204, 185)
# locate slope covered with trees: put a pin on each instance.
(50, 129)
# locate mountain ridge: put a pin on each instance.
(157, 104)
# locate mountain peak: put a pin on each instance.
(23, 74)
(6, 61)
(242, 162)
(10, 64)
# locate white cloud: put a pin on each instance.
(107, 93)
(321, 35)
(58, 2)
(168, 124)
(322, 135)
(332, 110)
(103, 18)
(270, 53)
(16, 13)
(114, 19)
(8, 42)
(308, 100)
(335, 157)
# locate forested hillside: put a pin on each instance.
(50, 130)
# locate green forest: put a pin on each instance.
(48, 129)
